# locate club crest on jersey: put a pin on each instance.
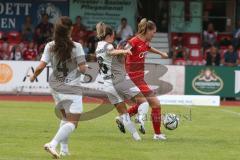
(142, 54)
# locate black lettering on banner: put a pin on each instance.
(28, 75)
(48, 72)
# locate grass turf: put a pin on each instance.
(213, 134)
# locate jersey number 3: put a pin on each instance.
(102, 67)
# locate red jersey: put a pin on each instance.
(135, 62)
(29, 54)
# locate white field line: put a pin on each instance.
(231, 112)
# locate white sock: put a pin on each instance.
(128, 124)
(143, 108)
(64, 147)
(62, 133)
(142, 112)
(64, 142)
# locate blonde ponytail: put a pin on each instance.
(144, 25)
(103, 30)
(100, 28)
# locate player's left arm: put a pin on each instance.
(38, 70)
(154, 50)
(116, 52)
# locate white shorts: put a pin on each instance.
(121, 91)
(71, 103)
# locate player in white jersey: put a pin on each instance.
(64, 56)
(115, 80)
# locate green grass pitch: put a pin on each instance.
(213, 134)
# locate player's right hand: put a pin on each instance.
(32, 78)
(128, 51)
(164, 55)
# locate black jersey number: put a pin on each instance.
(102, 67)
(62, 67)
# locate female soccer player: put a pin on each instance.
(64, 56)
(139, 46)
(112, 70)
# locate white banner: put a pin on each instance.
(110, 12)
(190, 100)
(14, 77)
(176, 77)
(237, 82)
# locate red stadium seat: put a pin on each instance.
(222, 36)
(179, 62)
(190, 39)
(193, 40)
(14, 37)
(195, 56)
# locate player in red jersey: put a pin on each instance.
(139, 46)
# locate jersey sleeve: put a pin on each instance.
(148, 46)
(132, 42)
(128, 46)
(46, 54)
(80, 55)
(109, 48)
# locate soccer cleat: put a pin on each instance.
(136, 136)
(159, 137)
(51, 150)
(64, 154)
(120, 125)
(140, 119)
(142, 129)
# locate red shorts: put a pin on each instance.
(142, 85)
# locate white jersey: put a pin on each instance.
(116, 82)
(67, 69)
(64, 69)
(111, 67)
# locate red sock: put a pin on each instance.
(133, 110)
(156, 120)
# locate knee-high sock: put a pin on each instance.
(156, 120)
(138, 108)
(62, 133)
(143, 108)
(128, 124)
(64, 142)
(133, 110)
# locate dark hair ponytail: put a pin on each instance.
(63, 44)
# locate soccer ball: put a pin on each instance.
(170, 121)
